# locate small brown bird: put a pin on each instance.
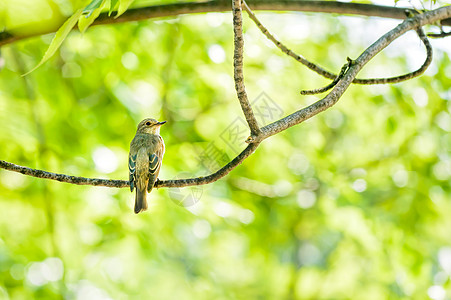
(144, 160)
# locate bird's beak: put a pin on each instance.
(161, 123)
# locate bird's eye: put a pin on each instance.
(147, 123)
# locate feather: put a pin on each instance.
(132, 169)
(140, 201)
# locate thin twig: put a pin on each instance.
(332, 84)
(238, 68)
(407, 76)
(333, 76)
(284, 48)
(439, 35)
(176, 9)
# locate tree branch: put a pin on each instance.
(407, 76)
(332, 98)
(319, 70)
(238, 68)
(439, 35)
(284, 48)
(273, 128)
(175, 9)
(124, 183)
(214, 176)
(336, 7)
(332, 84)
(62, 177)
(386, 80)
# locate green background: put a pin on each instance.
(352, 204)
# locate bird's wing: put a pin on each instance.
(132, 169)
(154, 163)
(155, 160)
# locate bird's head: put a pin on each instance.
(149, 125)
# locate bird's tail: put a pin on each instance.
(140, 200)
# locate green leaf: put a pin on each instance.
(92, 6)
(58, 38)
(113, 6)
(123, 6)
(85, 21)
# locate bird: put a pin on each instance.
(144, 160)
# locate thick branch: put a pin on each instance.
(335, 7)
(175, 9)
(238, 68)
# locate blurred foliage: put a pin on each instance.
(352, 204)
